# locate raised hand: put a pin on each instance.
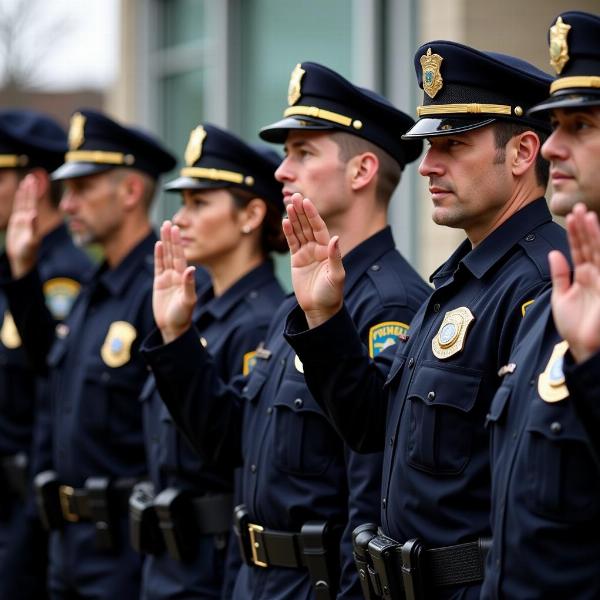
(576, 305)
(317, 271)
(22, 235)
(174, 292)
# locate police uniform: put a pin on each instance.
(28, 140)
(545, 468)
(230, 327)
(428, 413)
(95, 378)
(302, 488)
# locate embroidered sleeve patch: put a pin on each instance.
(384, 335)
(60, 293)
(525, 306)
(249, 362)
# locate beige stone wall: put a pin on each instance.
(517, 27)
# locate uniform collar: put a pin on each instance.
(365, 255)
(115, 280)
(220, 306)
(487, 254)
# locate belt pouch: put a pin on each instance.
(361, 537)
(99, 507)
(384, 553)
(177, 523)
(320, 548)
(144, 531)
(46, 487)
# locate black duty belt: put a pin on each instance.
(395, 571)
(316, 547)
(78, 504)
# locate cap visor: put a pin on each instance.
(191, 183)
(277, 132)
(430, 127)
(572, 100)
(72, 170)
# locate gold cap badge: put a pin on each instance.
(193, 150)
(294, 91)
(432, 79)
(450, 338)
(551, 383)
(9, 335)
(116, 349)
(559, 50)
(76, 137)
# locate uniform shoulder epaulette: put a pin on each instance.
(388, 282)
(539, 243)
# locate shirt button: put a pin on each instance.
(436, 307)
(391, 441)
(384, 503)
(530, 237)
(298, 403)
(105, 376)
(375, 268)
(253, 468)
(253, 294)
(556, 427)
(245, 389)
(411, 363)
(269, 410)
(282, 361)
(431, 396)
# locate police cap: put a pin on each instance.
(320, 99)
(574, 44)
(464, 88)
(97, 143)
(30, 139)
(215, 158)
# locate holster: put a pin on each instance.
(320, 548)
(99, 506)
(361, 537)
(45, 485)
(177, 523)
(144, 531)
(386, 570)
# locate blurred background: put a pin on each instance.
(167, 65)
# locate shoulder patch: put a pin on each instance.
(249, 362)
(116, 349)
(9, 334)
(551, 383)
(386, 334)
(60, 294)
(525, 306)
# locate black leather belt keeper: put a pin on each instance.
(409, 571)
(182, 517)
(315, 548)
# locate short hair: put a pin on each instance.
(504, 131)
(389, 172)
(272, 238)
(149, 183)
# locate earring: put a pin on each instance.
(246, 229)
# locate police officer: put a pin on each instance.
(30, 143)
(96, 373)
(301, 487)
(546, 472)
(229, 222)
(486, 177)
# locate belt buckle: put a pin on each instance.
(65, 493)
(253, 529)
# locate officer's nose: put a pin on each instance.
(179, 218)
(430, 165)
(284, 172)
(68, 202)
(554, 147)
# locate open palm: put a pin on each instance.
(576, 305)
(174, 292)
(317, 271)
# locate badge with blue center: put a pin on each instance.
(432, 78)
(450, 338)
(116, 349)
(60, 294)
(9, 334)
(386, 334)
(551, 383)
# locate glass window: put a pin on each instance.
(182, 22)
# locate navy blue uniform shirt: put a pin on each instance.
(545, 480)
(62, 267)
(230, 327)
(429, 413)
(295, 467)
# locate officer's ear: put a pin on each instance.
(252, 215)
(363, 169)
(132, 188)
(42, 181)
(524, 151)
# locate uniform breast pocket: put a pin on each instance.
(110, 400)
(442, 423)
(562, 478)
(305, 443)
(495, 419)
